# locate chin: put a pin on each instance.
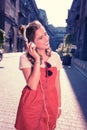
(47, 46)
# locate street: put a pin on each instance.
(73, 90)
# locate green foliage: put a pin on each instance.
(68, 43)
(65, 48)
(68, 39)
(2, 38)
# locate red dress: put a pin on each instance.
(38, 110)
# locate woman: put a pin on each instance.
(40, 103)
(20, 40)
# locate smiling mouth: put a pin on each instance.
(46, 44)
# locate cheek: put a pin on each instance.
(38, 44)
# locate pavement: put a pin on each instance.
(74, 97)
(73, 94)
(80, 65)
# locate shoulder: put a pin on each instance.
(56, 60)
(23, 56)
(55, 55)
(24, 61)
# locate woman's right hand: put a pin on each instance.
(32, 51)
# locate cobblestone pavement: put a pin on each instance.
(74, 97)
(73, 89)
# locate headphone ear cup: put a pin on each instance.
(33, 44)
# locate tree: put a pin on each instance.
(2, 38)
(65, 49)
(68, 42)
(68, 39)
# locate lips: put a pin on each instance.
(46, 44)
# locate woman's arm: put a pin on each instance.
(58, 92)
(32, 77)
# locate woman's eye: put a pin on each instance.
(45, 34)
(40, 38)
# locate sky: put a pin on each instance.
(56, 10)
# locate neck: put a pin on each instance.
(42, 53)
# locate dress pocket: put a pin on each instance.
(28, 96)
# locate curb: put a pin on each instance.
(83, 73)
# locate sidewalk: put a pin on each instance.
(80, 66)
(74, 97)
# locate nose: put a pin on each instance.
(47, 37)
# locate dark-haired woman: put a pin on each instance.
(40, 103)
(20, 38)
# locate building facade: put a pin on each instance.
(13, 13)
(77, 26)
(9, 22)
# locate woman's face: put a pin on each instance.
(41, 38)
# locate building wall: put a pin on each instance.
(10, 18)
(23, 12)
(77, 26)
